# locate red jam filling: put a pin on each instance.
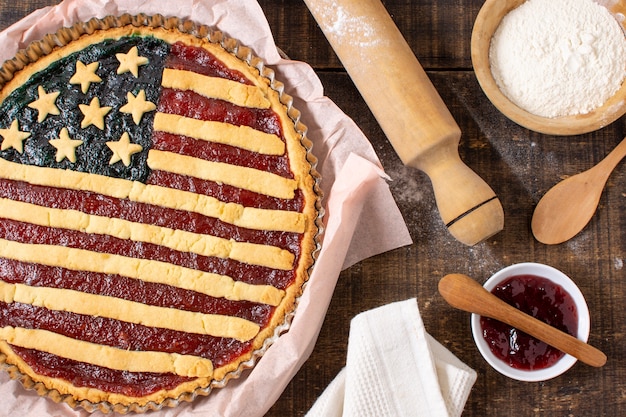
(160, 295)
(120, 334)
(201, 61)
(227, 193)
(195, 106)
(278, 165)
(542, 299)
(80, 374)
(101, 205)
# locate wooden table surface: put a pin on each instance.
(520, 165)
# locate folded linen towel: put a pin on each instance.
(395, 368)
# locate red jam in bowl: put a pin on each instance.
(542, 299)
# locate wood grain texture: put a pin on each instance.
(520, 165)
(567, 207)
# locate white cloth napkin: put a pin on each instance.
(395, 368)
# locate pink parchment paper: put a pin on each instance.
(361, 219)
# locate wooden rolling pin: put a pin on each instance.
(410, 111)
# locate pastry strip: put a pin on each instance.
(146, 270)
(106, 356)
(215, 87)
(241, 177)
(179, 240)
(152, 194)
(60, 299)
(243, 137)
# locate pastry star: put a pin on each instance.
(13, 137)
(137, 106)
(66, 147)
(45, 104)
(131, 61)
(85, 75)
(94, 114)
(123, 150)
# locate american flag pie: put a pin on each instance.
(157, 216)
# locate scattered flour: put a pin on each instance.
(344, 25)
(558, 57)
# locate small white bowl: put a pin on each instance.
(584, 322)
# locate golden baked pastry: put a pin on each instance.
(159, 212)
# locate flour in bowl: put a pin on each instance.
(558, 57)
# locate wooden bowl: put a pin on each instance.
(486, 23)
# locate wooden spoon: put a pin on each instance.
(568, 206)
(464, 293)
(410, 111)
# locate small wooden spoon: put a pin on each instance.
(462, 292)
(568, 206)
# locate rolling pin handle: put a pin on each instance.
(468, 206)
